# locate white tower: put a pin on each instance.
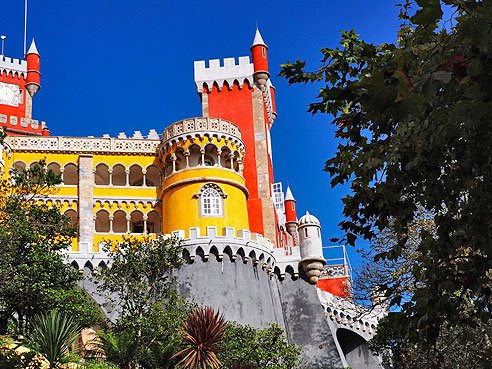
(312, 260)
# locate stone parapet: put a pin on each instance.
(346, 314)
(217, 127)
(89, 145)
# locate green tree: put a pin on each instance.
(459, 346)
(139, 285)
(396, 273)
(34, 275)
(248, 347)
(413, 120)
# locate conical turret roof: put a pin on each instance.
(33, 49)
(288, 195)
(258, 39)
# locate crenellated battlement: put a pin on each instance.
(228, 72)
(15, 123)
(238, 246)
(13, 66)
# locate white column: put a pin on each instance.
(86, 203)
(111, 224)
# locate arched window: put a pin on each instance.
(70, 175)
(74, 218)
(55, 167)
(211, 200)
(180, 159)
(153, 176)
(102, 221)
(136, 175)
(119, 175)
(119, 222)
(235, 161)
(211, 155)
(226, 157)
(101, 176)
(195, 157)
(168, 165)
(153, 222)
(137, 222)
(20, 166)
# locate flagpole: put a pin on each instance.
(25, 26)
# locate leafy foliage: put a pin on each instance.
(33, 274)
(98, 365)
(464, 347)
(413, 120)
(53, 334)
(115, 346)
(396, 273)
(203, 332)
(138, 283)
(159, 355)
(247, 347)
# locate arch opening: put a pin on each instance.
(70, 174)
(355, 350)
(101, 176)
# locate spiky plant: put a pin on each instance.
(53, 334)
(203, 332)
(117, 347)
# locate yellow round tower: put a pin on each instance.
(202, 160)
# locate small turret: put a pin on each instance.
(290, 213)
(260, 60)
(311, 248)
(33, 73)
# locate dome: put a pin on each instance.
(308, 219)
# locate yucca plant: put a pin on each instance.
(203, 332)
(53, 334)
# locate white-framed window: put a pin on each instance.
(211, 200)
(278, 197)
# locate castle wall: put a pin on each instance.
(242, 291)
(306, 323)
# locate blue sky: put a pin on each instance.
(110, 66)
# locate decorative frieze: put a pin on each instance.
(83, 145)
(202, 126)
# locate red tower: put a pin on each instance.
(19, 82)
(243, 94)
(290, 213)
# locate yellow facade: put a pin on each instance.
(181, 206)
(113, 187)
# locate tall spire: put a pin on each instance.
(288, 195)
(258, 40)
(33, 49)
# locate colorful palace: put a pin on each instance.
(210, 181)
